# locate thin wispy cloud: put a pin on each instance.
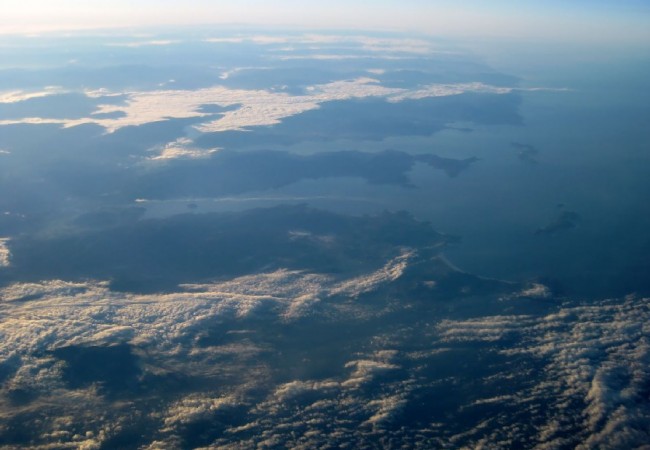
(179, 149)
(20, 95)
(151, 43)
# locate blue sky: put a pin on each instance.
(549, 19)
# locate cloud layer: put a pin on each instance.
(247, 108)
(305, 360)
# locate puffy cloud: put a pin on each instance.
(39, 318)
(328, 411)
(536, 290)
(576, 374)
(483, 329)
(365, 370)
(596, 366)
(195, 407)
(51, 314)
(4, 252)
(296, 388)
(385, 409)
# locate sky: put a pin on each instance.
(618, 20)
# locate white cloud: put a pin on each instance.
(444, 90)
(135, 44)
(255, 38)
(251, 108)
(5, 255)
(365, 370)
(60, 313)
(390, 272)
(385, 409)
(225, 40)
(263, 108)
(576, 375)
(21, 96)
(596, 366)
(195, 407)
(255, 108)
(101, 92)
(295, 388)
(338, 56)
(397, 45)
(483, 329)
(228, 73)
(536, 290)
(181, 148)
(367, 43)
(38, 121)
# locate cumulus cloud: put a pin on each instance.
(573, 375)
(365, 370)
(536, 290)
(385, 409)
(295, 388)
(4, 252)
(596, 367)
(39, 318)
(51, 314)
(194, 407)
(322, 412)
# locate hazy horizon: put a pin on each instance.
(581, 21)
